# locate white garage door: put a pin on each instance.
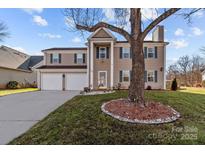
(76, 81)
(51, 81)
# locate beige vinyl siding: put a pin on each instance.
(101, 65)
(66, 59)
(14, 75)
(101, 34)
(150, 64)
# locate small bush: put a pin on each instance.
(174, 85)
(119, 86)
(33, 85)
(87, 89)
(13, 85)
(149, 87)
(198, 85)
(203, 83)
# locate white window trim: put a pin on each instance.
(79, 58)
(123, 75)
(150, 52)
(123, 51)
(55, 62)
(105, 52)
(149, 71)
(105, 78)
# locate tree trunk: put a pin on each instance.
(136, 90)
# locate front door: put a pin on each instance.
(102, 79)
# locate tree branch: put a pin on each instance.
(158, 20)
(105, 25)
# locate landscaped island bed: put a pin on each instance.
(81, 121)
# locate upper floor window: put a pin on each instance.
(150, 52)
(79, 58)
(126, 53)
(55, 58)
(102, 52)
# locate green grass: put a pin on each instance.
(80, 121)
(193, 90)
(15, 91)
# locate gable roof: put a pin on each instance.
(76, 48)
(105, 31)
(30, 62)
(13, 59)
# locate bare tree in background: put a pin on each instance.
(3, 31)
(92, 19)
(198, 65)
(173, 71)
(184, 64)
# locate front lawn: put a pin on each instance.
(193, 90)
(15, 91)
(80, 121)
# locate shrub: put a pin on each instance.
(118, 86)
(198, 85)
(87, 89)
(203, 83)
(149, 87)
(33, 85)
(13, 85)
(174, 85)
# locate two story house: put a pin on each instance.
(104, 63)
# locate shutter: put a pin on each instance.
(120, 76)
(97, 53)
(75, 58)
(155, 76)
(130, 74)
(120, 52)
(107, 52)
(130, 53)
(59, 56)
(51, 58)
(145, 52)
(145, 76)
(155, 52)
(84, 58)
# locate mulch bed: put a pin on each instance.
(154, 112)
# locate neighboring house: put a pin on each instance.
(17, 66)
(103, 64)
(203, 75)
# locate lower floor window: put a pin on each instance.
(125, 76)
(150, 76)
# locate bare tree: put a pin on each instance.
(173, 71)
(198, 65)
(3, 31)
(184, 64)
(91, 19)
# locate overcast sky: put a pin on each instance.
(32, 30)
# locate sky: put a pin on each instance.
(32, 30)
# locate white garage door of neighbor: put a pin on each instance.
(51, 81)
(76, 81)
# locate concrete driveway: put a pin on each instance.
(19, 112)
